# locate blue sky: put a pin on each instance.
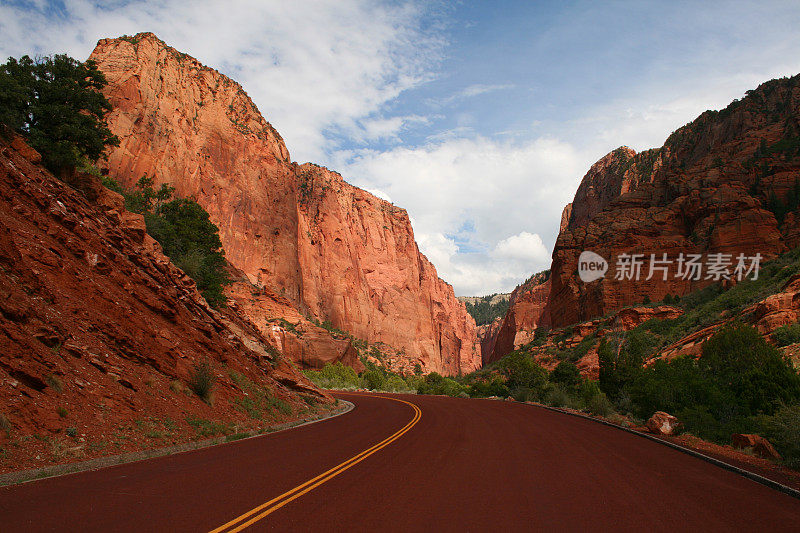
(480, 118)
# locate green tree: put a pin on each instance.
(520, 370)
(186, 234)
(753, 370)
(56, 102)
(567, 374)
(374, 379)
(620, 363)
(485, 312)
(143, 199)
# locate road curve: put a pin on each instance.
(456, 465)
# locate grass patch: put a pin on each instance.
(259, 403)
(236, 436)
(5, 424)
(208, 428)
(786, 335)
(97, 446)
(577, 352)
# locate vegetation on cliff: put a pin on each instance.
(738, 377)
(188, 237)
(740, 384)
(55, 101)
(484, 311)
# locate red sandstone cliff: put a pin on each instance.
(528, 310)
(99, 331)
(334, 251)
(487, 334)
(712, 188)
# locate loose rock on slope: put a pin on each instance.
(99, 332)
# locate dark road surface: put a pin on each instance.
(459, 465)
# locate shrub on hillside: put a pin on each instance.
(577, 352)
(436, 384)
(540, 336)
(186, 234)
(373, 379)
(395, 383)
(566, 373)
(520, 370)
(557, 396)
(739, 375)
(620, 361)
(599, 405)
(783, 431)
(754, 371)
(485, 389)
(201, 380)
(786, 335)
(334, 376)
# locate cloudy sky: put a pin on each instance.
(480, 118)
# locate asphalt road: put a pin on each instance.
(449, 464)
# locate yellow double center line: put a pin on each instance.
(241, 522)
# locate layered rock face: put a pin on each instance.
(98, 328)
(581, 341)
(487, 335)
(606, 180)
(291, 334)
(724, 183)
(528, 310)
(335, 252)
(362, 271)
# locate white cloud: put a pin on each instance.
(471, 91)
(437, 248)
(311, 67)
(512, 260)
(524, 246)
(385, 129)
(645, 120)
(469, 197)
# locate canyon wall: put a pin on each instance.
(728, 182)
(725, 183)
(335, 252)
(528, 309)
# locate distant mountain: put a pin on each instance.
(485, 309)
